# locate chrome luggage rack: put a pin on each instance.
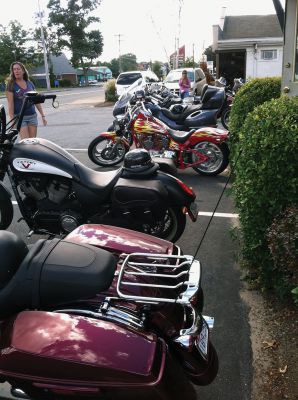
(178, 275)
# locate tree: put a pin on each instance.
(157, 69)
(128, 62)
(211, 56)
(71, 23)
(14, 46)
(114, 67)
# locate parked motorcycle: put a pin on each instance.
(56, 193)
(205, 149)
(104, 313)
(230, 95)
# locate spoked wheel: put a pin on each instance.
(225, 117)
(105, 152)
(170, 227)
(218, 158)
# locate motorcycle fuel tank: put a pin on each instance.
(42, 156)
(68, 349)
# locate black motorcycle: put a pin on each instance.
(56, 193)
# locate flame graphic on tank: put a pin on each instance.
(149, 127)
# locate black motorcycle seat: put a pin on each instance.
(180, 117)
(180, 136)
(56, 272)
(101, 183)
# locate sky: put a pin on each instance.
(150, 29)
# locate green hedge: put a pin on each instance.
(250, 95)
(266, 180)
(282, 238)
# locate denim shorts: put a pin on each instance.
(29, 120)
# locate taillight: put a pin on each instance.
(186, 188)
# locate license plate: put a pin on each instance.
(193, 211)
(202, 340)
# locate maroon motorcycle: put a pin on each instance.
(104, 313)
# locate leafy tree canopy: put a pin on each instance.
(15, 46)
(71, 23)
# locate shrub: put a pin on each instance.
(110, 91)
(250, 95)
(266, 179)
(282, 238)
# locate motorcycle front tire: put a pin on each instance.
(218, 158)
(6, 211)
(102, 158)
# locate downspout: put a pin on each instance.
(280, 14)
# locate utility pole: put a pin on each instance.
(193, 55)
(119, 43)
(46, 67)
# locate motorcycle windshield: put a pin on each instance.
(129, 92)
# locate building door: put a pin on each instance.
(231, 65)
(290, 54)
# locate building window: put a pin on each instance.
(268, 54)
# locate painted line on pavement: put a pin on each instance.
(203, 213)
(80, 150)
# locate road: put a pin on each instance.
(73, 125)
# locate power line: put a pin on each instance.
(160, 38)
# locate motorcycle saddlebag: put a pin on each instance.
(134, 193)
(63, 349)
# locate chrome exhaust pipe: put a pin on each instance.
(209, 321)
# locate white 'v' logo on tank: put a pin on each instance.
(29, 165)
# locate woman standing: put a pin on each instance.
(17, 85)
(184, 85)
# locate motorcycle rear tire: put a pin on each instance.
(6, 212)
(171, 232)
(220, 164)
(95, 156)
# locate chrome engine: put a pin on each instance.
(40, 188)
(50, 202)
(154, 141)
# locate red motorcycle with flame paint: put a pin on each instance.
(205, 149)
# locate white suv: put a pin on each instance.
(195, 75)
(125, 79)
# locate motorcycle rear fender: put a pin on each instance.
(120, 240)
(66, 349)
(209, 134)
(179, 194)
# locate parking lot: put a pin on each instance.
(73, 126)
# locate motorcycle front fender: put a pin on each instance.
(6, 207)
(209, 134)
(114, 138)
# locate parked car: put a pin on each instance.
(125, 79)
(195, 75)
